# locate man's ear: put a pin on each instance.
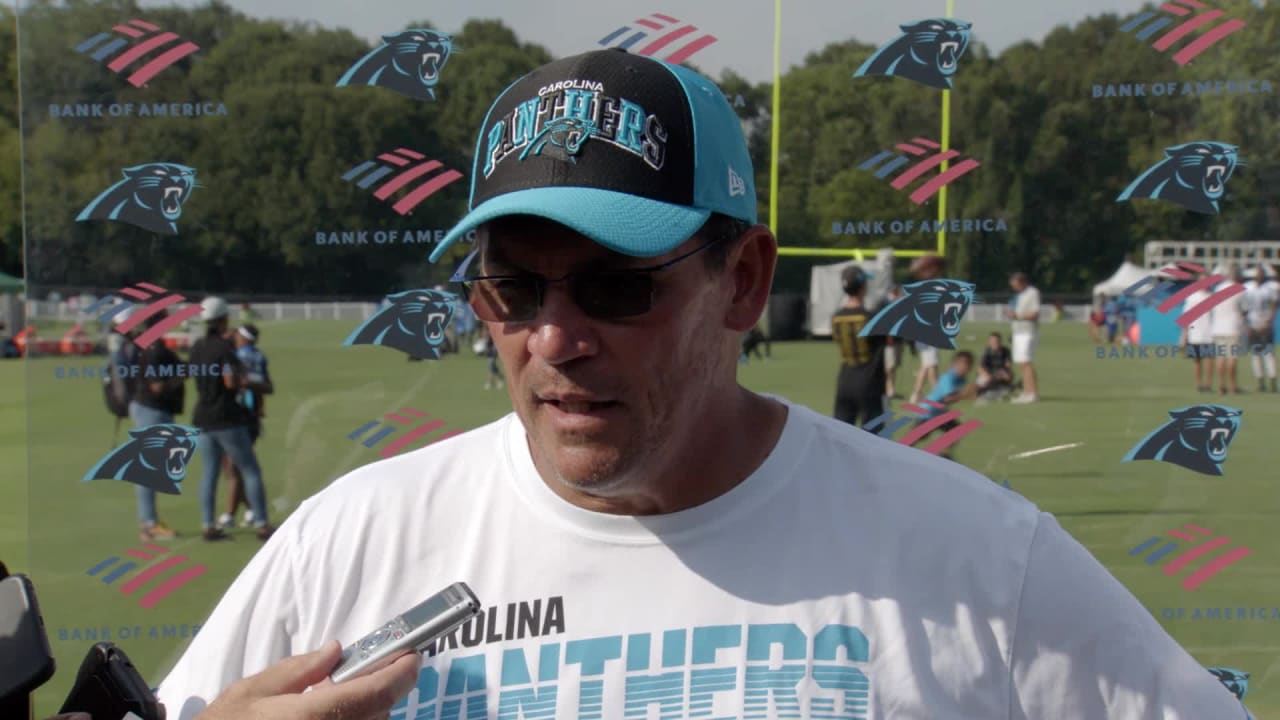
(750, 267)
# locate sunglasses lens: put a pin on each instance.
(609, 296)
(503, 299)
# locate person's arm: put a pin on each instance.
(1084, 648)
(968, 392)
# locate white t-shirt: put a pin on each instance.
(1259, 302)
(1200, 331)
(1227, 317)
(1027, 301)
(850, 576)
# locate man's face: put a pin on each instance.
(993, 342)
(962, 366)
(1017, 284)
(604, 403)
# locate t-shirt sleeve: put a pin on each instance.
(249, 630)
(1084, 648)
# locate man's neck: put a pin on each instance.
(726, 444)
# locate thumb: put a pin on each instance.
(297, 673)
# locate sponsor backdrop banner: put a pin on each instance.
(301, 162)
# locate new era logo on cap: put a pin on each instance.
(736, 185)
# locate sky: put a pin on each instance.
(743, 28)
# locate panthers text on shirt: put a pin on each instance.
(768, 670)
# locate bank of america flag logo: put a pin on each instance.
(657, 33)
(1171, 296)
(139, 46)
(149, 299)
(422, 426)
(1180, 20)
(117, 566)
(887, 424)
(1200, 554)
(406, 166)
(923, 156)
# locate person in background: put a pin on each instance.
(1097, 319)
(1260, 300)
(751, 343)
(223, 422)
(861, 381)
(156, 399)
(1025, 317)
(1128, 312)
(926, 267)
(953, 386)
(1058, 311)
(248, 314)
(252, 396)
(1197, 339)
(893, 347)
(995, 372)
(1226, 320)
(495, 378)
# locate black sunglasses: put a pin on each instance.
(602, 295)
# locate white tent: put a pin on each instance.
(826, 293)
(1120, 280)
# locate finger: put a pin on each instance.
(294, 674)
(368, 696)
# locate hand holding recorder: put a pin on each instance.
(362, 681)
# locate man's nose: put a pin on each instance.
(561, 331)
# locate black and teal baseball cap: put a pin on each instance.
(632, 152)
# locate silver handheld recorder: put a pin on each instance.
(415, 629)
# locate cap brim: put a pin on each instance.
(623, 223)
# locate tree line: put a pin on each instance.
(1055, 127)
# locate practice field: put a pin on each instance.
(326, 392)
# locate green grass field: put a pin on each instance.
(55, 528)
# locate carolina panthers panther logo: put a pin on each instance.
(1197, 438)
(929, 312)
(408, 62)
(150, 196)
(928, 52)
(1237, 681)
(154, 457)
(567, 133)
(413, 322)
(1193, 175)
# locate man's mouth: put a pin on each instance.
(1215, 179)
(948, 54)
(1218, 442)
(177, 462)
(578, 406)
(430, 65)
(951, 316)
(171, 204)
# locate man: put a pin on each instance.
(926, 267)
(158, 396)
(1025, 317)
(223, 422)
(953, 386)
(645, 533)
(1260, 300)
(893, 348)
(995, 372)
(257, 385)
(1198, 339)
(861, 381)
